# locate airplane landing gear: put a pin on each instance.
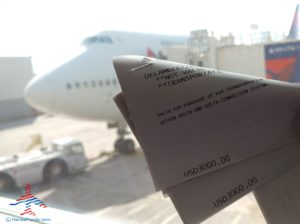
(123, 145)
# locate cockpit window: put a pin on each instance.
(105, 39)
(98, 39)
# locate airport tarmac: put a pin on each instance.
(118, 188)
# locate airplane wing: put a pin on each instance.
(209, 136)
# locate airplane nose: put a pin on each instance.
(39, 93)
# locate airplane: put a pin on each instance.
(83, 87)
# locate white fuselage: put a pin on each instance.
(84, 87)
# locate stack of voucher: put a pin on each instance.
(210, 136)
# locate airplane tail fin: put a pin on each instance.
(294, 30)
(150, 53)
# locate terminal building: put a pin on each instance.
(15, 73)
(263, 57)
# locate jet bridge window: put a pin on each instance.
(107, 82)
(100, 83)
(115, 82)
(93, 83)
(77, 84)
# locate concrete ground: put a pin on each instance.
(117, 188)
